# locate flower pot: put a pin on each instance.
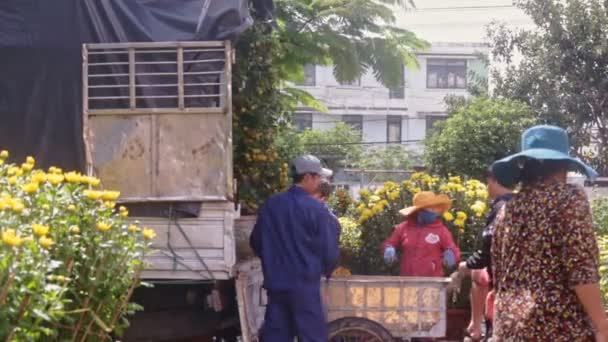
(457, 322)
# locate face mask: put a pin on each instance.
(426, 217)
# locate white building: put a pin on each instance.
(404, 114)
(401, 115)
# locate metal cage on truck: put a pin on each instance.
(158, 127)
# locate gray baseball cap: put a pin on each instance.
(310, 164)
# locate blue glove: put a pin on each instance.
(449, 258)
(390, 256)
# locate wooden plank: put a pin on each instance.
(184, 44)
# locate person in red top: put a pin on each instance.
(424, 241)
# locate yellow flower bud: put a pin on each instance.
(27, 167)
(73, 177)
(93, 194)
(30, 188)
(30, 160)
(102, 226)
(11, 238)
(4, 154)
(71, 207)
(17, 206)
(74, 230)
(133, 228)
(39, 177)
(55, 179)
(148, 234)
(39, 229)
(46, 242)
(110, 195)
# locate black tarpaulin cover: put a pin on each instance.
(40, 60)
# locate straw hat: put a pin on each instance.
(427, 199)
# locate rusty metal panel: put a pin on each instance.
(121, 148)
(196, 145)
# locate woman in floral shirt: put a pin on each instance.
(544, 252)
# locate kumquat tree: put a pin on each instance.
(69, 259)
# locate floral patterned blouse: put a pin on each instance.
(544, 245)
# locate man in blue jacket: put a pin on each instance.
(296, 237)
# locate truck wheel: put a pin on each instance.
(353, 329)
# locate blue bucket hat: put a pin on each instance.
(542, 142)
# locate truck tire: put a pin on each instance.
(357, 329)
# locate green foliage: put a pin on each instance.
(353, 36)
(563, 70)
(599, 208)
(68, 260)
(477, 134)
(339, 146)
(387, 157)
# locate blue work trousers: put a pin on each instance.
(295, 313)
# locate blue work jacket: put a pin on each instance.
(296, 237)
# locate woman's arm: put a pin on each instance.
(395, 239)
(581, 257)
(590, 296)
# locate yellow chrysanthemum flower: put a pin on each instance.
(39, 177)
(483, 194)
(109, 204)
(4, 154)
(133, 228)
(30, 188)
(93, 194)
(394, 195)
(149, 234)
(12, 180)
(17, 206)
(92, 181)
(46, 242)
(27, 167)
(461, 215)
(30, 160)
(11, 238)
(448, 216)
(470, 194)
(455, 179)
(102, 226)
(55, 179)
(374, 199)
(110, 195)
(73, 177)
(39, 229)
(459, 223)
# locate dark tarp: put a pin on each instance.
(40, 60)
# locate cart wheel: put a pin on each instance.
(353, 329)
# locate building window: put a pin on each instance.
(303, 121)
(398, 92)
(354, 121)
(354, 83)
(431, 121)
(393, 129)
(446, 73)
(310, 76)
